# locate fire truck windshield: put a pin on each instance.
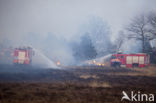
(113, 57)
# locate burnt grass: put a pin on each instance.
(70, 85)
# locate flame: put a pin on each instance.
(100, 64)
(96, 63)
(58, 63)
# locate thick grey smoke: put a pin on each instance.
(53, 47)
(50, 25)
(18, 17)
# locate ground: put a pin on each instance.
(73, 84)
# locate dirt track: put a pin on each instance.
(73, 84)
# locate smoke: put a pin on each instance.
(50, 26)
(131, 46)
(53, 47)
(48, 49)
(63, 18)
(40, 60)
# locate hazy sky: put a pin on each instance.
(64, 17)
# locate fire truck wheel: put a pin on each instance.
(135, 65)
(118, 66)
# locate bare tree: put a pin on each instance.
(140, 29)
(152, 17)
(152, 21)
(120, 40)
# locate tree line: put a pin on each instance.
(142, 28)
(96, 41)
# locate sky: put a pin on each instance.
(65, 17)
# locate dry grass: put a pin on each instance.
(53, 93)
(150, 71)
(96, 84)
(75, 85)
(89, 76)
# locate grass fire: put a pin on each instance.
(77, 51)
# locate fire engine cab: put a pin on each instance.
(23, 55)
(130, 60)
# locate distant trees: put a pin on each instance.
(152, 21)
(119, 41)
(100, 35)
(95, 40)
(85, 49)
(88, 49)
(143, 28)
(140, 29)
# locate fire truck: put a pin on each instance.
(23, 55)
(130, 60)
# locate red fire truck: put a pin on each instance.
(130, 60)
(23, 55)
